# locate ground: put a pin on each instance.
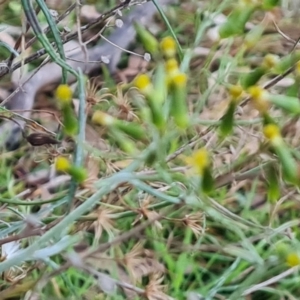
(171, 171)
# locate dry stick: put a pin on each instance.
(8, 114)
(278, 204)
(272, 280)
(283, 34)
(28, 233)
(47, 59)
(81, 43)
(287, 37)
(122, 284)
(19, 40)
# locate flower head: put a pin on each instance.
(259, 97)
(64, 94)
(101, 118)
(235, 91)
(270, 61)
(168, 46)
(272, 131)
(143, 83)
(200, 160)
(180, 80)
(293, 259)
(172, 66)
(62, 164)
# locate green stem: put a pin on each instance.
(31, 203)
(33, 21)
(9, 48)
(162, 14)
(78, 159)
(56, 35)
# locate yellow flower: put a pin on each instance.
(172, 66)
(62, 164)
(293, 259)
(200, 160)
(257, 92)
(270, 61)
(143, 83)
(172, 69)
(168, 46)
(101, 118)
(235, 91)
(64, 94)
(259, 98)
(271, 132)
(179, 80)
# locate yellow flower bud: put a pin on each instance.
(172, 66)
(143, 83)
(257, 92)
(235, 91)
(293, 259)
(101, 118)
(270, 61)
(78, 173)
(168, 46)
(260, 98)
(180, 80)
(200, 160)
(62, 164)
(271, 132)
(64, 94)
(179, 107)
(149, 41)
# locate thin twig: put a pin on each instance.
(19, 40)
(270, 281)
(80, 40)
(46, 60)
